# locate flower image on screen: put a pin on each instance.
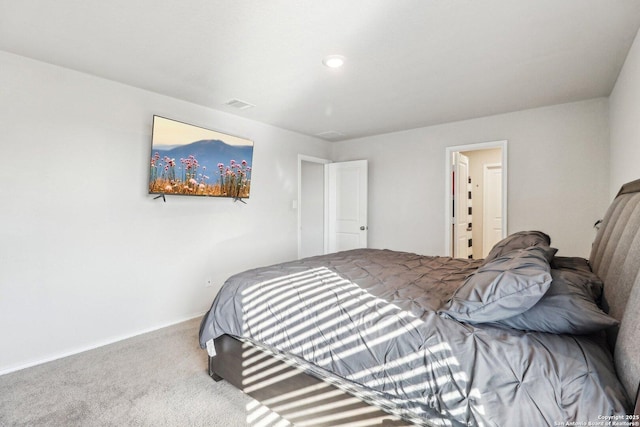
(194, 161)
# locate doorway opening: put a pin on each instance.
(311, 206)
(476, 198)
(332, 205)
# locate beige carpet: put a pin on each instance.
(155, 379)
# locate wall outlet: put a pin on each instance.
(208, 283)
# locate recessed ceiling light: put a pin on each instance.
(331, 135)
(333, 61)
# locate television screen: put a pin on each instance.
(194, 161)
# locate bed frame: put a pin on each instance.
(296, 395)
(304, 399)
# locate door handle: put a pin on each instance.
(362, 227)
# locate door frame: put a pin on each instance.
(297, 204)
(448, 201)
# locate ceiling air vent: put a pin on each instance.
(240, 105)
(331, 135)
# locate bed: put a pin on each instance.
(377, 337)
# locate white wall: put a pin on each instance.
(86, 255)
(624, 105)
(558, 175)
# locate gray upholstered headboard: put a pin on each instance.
(615, 258)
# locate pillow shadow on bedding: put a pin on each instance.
(502, 288)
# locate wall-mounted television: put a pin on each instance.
(194, 161)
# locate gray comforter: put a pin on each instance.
(368, 318)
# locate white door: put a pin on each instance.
(462, 214)
(346, 205)
(492, 210)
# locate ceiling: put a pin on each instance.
(409, 63)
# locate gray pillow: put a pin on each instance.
(507, 286)
(519, 240)
(581, 268)
(568, 307)
(571, 263)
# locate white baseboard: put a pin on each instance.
(95, 345)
